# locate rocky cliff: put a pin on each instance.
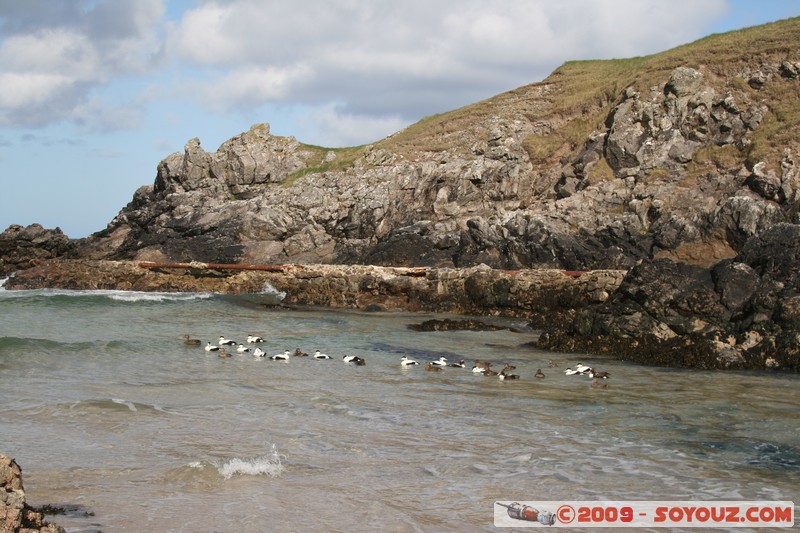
(682, 155)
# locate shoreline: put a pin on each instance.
(591, 312)
(474, 291)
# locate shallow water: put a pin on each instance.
(113, 418)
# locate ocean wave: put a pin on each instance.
(116, 405)
(207, 471)
(113, 295)
(268, 295)
(269, 464)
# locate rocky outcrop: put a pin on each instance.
(539, 294)
(21, 247)
(741, 313)
(639, 188)
(15, 515)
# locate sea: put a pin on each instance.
(119, 426)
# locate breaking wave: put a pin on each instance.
(268, 464)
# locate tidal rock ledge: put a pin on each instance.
(539, 294)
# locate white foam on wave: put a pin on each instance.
(269, 290)
(135, 296)
(268, 464)
(119, 296)
(129, 405)
(3, 283)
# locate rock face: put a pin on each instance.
(741, 313)
(21, 247)
(674, 170)
(15, 514)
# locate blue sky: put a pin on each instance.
(94, 93)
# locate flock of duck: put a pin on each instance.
(479, 367)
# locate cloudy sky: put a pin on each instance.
(94, 93)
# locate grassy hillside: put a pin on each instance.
(578, 96)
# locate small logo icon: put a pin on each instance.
(529, 514)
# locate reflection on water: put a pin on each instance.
(107, 409)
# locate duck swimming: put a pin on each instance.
(320, 355)
(281, 356)
(431, 367)
(254, 338)
(211, 348)
(405, 361)
(225, 342)
(356, 360)
(442, 361)
(502, 376)
(190, 342)
(242, 348)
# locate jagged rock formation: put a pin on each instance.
(680, 168)
(15, 514)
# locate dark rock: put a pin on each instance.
(451, 325)
(742, 313)
(21, 247)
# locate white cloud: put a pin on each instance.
(54, 54)
(413, 57)
(328, 126)
(61, 59)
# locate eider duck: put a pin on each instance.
(430, 367)
(299, 353)
(405, 361)
(508, 367)
(254, 338)
(222, 353)
(190, 342)
(502, 376)
(356, 360)
(211, 348)
(594, 374)
(280, 356)
(597, 385)
(460, 364)
(442, 361)
(480, 367)
(225, 342)
(242, 348)
(258, 352)
(320, 355)
(539, 374)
